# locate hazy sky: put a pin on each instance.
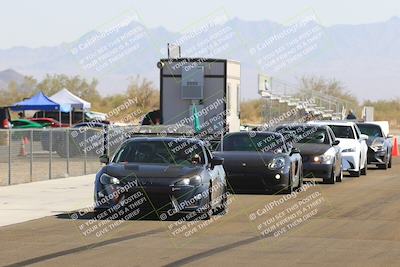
(37, 23)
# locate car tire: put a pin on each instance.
(355, 174)
(365, 169)
(208, 211)
(221, 209)
(339, 178)
(289, 188)
(383, 166)
(301, 176)
(332, 178)
(390, 163)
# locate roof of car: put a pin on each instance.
(249, 133)
(324, 126)
(339, 123)
(165, 139)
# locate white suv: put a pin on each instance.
(353, 144)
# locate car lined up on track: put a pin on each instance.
(318, 147)
(353, 145)
(262, 162)
(379, 145)
(174, 171)
(177, 175)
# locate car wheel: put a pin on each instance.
(300, 180)
(221, 209)
(289, 188)
(207, 210)
(364, 170)
(339, 178)
(383, 166)
(355, 174)
(332, 178)
(390, 163)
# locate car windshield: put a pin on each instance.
(370, 130)
(160, 152)
(300, 134)
(342, 131)
(257, 141)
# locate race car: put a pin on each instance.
(260, 161)
(379, 145)
(322, 157)
(176, 175)
(353, 146)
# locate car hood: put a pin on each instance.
(347, 143)
(312, 149)
(372, 139)
(122, 170)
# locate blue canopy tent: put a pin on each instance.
(37, 102)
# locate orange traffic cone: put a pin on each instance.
(395, 151)
(22, 152)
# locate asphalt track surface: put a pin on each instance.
(353, 223)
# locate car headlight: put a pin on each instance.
(195, 180)
(326, 158)
(353, 149)
(107, 179)
(377, 144)
(277, 163)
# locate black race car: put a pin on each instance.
(174, 175)
(379, 145)
(322, 158)
(260, 161)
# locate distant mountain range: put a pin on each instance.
(366, 58)
(9, 75)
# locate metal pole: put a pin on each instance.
(84, 152)
(31, 156)
(9, 156)
(67, 149)
(50, 150)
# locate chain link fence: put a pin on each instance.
(28, 155)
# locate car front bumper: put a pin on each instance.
(173, 199)
(266, 180)
(350, 161)
(317, 170)
(377, 157)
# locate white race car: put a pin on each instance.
(353, 144)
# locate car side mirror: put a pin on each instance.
(294, 151)
(364, 137)
(104, 159)
(336, 142)
(215, 161)
(390, 136)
